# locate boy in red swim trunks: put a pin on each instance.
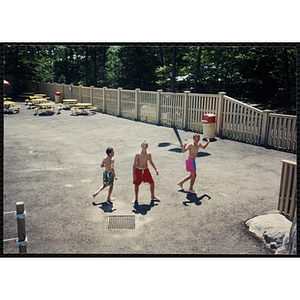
(141, 172)
(191, 160)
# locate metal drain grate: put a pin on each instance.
(120, 222)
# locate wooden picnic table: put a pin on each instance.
(7, 103)
(35, 102)
(68, 103)
(47, 107)
(83, 104)
(10, 106)
(82, 108)
(34, 97)
(39, 100)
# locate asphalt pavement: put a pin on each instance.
(52, 164)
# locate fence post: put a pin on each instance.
(158, 106)
(71, 91)
(137, 104)
(80, 93)
(62, 92)
(55, 89)
(48, 89)
(119, 101)
(265, 127)
(20, 216)
(104, 98)
(185, 109)
(288, 186)
(220, 113)
(92, 94)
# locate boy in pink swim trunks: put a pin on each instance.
(191, 160)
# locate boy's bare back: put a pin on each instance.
(108, 163)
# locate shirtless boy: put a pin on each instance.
(191, 160)
(109, 173)
(141, 172)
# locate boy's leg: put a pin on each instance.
(136, 192)
(109, 193)
(102, 188)
(184, 180)
(152, 192)
(193, 178)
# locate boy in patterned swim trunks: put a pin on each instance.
(191, 160)
(109, 173)
(141, 172)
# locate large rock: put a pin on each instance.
(274, 229)
(293, 236)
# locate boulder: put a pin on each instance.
(293, 236)
(274, 229)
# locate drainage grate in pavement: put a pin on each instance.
(120, 222)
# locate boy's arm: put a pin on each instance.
(207, 142)
(113, 168)
(103, 163)
(184, 147)
(152, 163)
(134, 165)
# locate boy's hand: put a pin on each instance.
(116, 178)
(185, 141)
(207, 139)
(157, 172)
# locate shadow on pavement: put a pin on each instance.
(107, 207)
(169, 144)
(164, 144)
(144, 208)
(178, 136)
(193, 198)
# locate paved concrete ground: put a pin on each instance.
(52, 163)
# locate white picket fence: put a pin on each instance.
(245, 123)
(235, 119)
(287, 200)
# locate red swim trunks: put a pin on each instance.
(142, 175)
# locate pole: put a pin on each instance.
(20, 216)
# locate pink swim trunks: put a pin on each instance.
(190, 164)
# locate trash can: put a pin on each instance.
(209, 125)
(57, 97)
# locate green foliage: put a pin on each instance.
(264, 74)
(136, 67)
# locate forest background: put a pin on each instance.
(260, 74)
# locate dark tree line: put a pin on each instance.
(265, 75)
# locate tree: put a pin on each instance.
(197, 70)
(266, 75)
(136, 67)
(173, 70)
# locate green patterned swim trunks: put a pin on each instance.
(108, 178)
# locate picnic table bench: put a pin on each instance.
(69, 103)
(83, 109)
(10, 107)
(47, 108)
